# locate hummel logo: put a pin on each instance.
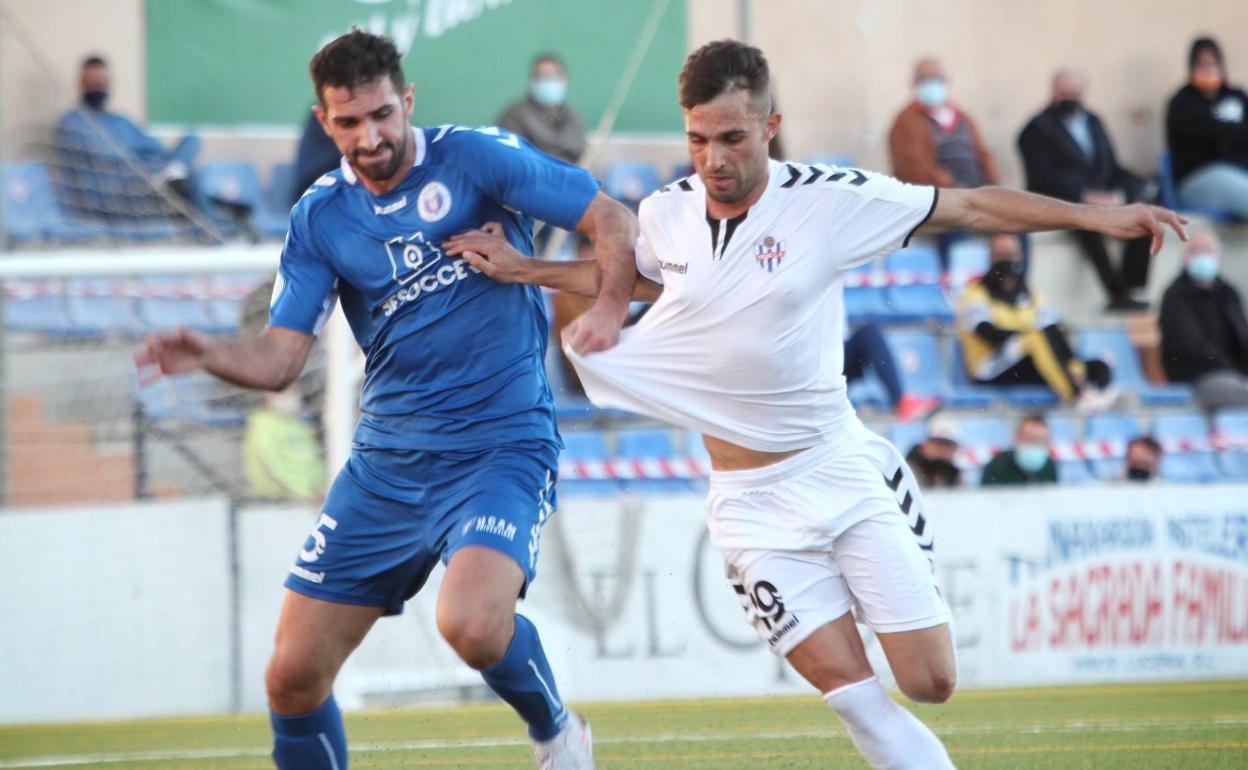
(391, 208)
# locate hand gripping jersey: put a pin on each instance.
(745, 343)
(453, 359)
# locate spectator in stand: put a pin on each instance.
(1143, 458)
(316, 156)
(543, 116)
(1067, 154)
(932, 459)
(1204, 333)
(111, 168)
(1028, 462)
(1207, 131)
(866, 349)
(1010, 336)
(933, 142)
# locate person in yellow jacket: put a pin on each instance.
(1010, 336)
(282, 458)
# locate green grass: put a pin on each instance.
(1182, 725)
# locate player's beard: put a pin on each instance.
(380, 173)
(743, 188)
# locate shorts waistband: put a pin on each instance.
(770, 474)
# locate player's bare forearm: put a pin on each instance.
(613, 230)
(583, 277)
(270, 360)
(1001, 210)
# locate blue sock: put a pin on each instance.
(523, 679)
(311, 741)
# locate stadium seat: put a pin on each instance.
(867, 392)
(921, 301)
(45, 314)
(1169, 193)
(648, 444)
(195, 398)
(905, 435)
(232, 182)
(1194, 461)
(922, 372)
(1114, 347)
(272, 217)
(32, 213)
(585, 445)
(1230, 426)
(1071, 469)
(864, 303)
(1110, 433)
(985, 437)
(629, 181)
(101, 306)
(165, 310)
(968, 259)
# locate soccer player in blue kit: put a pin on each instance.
(455, 453)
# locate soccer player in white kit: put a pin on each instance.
(815, 514)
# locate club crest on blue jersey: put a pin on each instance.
(434, 202)
(412, 255)
(769, 252)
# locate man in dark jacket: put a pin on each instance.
(1207, 131)
(1029, 462)
(1204, 334)
(1067, 154)
(543, 116)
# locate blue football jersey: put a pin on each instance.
(454, 360)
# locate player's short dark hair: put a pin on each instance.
(1148, 442)
(1203, 44)
(94, 60)
(355, 59)
(722, 66)
(546, 56)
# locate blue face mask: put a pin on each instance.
(1203, 268)
(1031, 457)
(931, 92)
(549, 92)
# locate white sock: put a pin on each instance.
(888, 736)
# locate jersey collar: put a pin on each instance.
(418, 136)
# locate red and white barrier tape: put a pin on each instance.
(127, 289)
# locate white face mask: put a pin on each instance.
(931, 92)
(549, 91)
(1203, 268)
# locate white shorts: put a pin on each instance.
(834, 529)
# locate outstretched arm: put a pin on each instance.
(999, 210)
(270, 360)
(613, 230)
(488, 251)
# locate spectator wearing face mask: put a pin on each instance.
(1204, 334)
(933, 142)
(1067, 154)
(1028, 462)
(1143, 458)
(1207, 131)
(109, 167)
(543, 116)
(1010, 336)
(932, 459)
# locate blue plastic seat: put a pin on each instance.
(1020, 396)
(1231, 428)
(584, 445)
(32, 213)
(984, 437)
(922, 371)
(921, 301)
(272, 217)
(1194, 463)
(630, 181)
(45, 314)
(1114, 347)
(1169, 193)
(867, 392)
(195, 399)
(969, 259)
(1108, 434)
(232, 182)
(165, 310)
(101, 306)
(864, 303)
(1071, 469)
(905, 435)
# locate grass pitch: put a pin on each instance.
(1180, 725)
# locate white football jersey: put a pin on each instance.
(746, 342)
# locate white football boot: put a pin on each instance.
(571, 749)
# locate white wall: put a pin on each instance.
(124, 612)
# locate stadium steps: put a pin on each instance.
(57, 463)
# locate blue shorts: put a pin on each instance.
(391, 515)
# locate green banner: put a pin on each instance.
(244, 62)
